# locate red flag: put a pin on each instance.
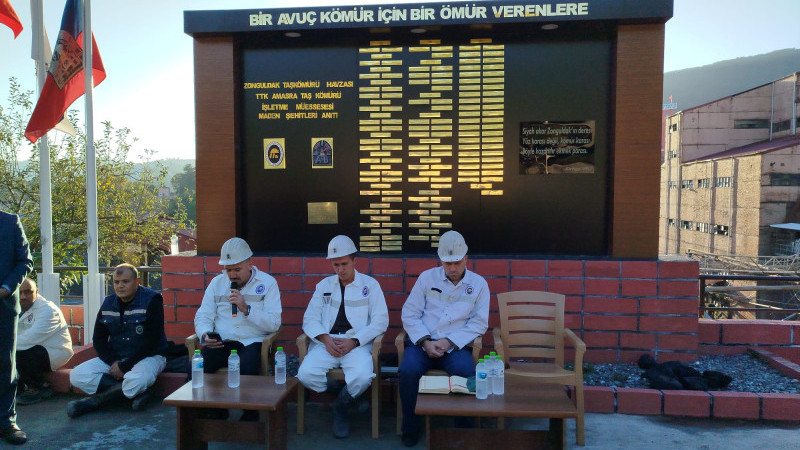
(9, 17)
(65, 77)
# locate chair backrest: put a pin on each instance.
(532, 325)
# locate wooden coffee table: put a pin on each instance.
(521, 399)
(256, 392)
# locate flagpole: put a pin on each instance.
(94, 283)
(47, 280)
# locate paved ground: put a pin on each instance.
(48, 427)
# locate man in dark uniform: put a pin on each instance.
(130, 343)
(15, 264)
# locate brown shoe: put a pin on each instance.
(13, 435)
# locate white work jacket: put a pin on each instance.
(439, 309)
(43, 324)
(364, 306)
(261, 294)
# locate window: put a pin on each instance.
(781, 126)
(687, 184)
(671, 223)
(784, 179)
(672, 185)
(750, 123)
(721, 230)
(686, 224)
(701, 227)
(674, 127)
(672, 154)
(704, 183)
(722, 182)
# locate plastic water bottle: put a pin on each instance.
(197, 369)
(233, 369)
(280, 366)
(499, 388)
(491, 370)
(481, 380)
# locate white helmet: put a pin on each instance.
(452, 247)
(234, 251)
(341, 246)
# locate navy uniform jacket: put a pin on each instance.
(15, 256)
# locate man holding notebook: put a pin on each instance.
(446, 310)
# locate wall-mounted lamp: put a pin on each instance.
(549, 26)
(292, 34)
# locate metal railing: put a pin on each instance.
(724, 301)
(149, 276)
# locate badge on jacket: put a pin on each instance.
(139, 329)
(365, 291)
(469, 290)
(326, 298)
(260, 289)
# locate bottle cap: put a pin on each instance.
(280, 349)
(197, 351)
(233, 352)
(492, 354)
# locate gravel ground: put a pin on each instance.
(750, 374)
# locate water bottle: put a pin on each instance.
(481, 380)
(197, 369)
(491, 370)
(280, 366)
(233, 369)
(499, 388)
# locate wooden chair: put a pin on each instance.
(267, 350)
(338, 374)
(399, 342)
(532, 328)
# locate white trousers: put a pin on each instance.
(86, 376)
(357, 366)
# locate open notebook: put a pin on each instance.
(440, 384)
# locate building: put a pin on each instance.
(730, 179)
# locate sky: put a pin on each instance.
(148, 57)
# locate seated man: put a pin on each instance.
(446, 310)
(346, 313)
(43, 343)
(130, 343)
(240, 307)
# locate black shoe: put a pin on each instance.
(33, 395)
(77, 408)
(140, 401)
(13, 435)
(341, 407)
(410, 439)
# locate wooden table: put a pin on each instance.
(521, 399)
(256, 392)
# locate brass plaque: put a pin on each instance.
(323, 213)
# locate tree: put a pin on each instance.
(184, 187)
(132, 219)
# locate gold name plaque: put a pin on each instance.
(320, 213)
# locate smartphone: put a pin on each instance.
(214, 335)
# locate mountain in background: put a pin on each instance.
(700, 85)
(173, 165)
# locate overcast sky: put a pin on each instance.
(148, 58)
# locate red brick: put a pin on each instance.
(631, 356)
(667, 288)
(169, 313)
(680, 324)
(735, 405)
(594, 356)
(610, 305)
(601, 339)
(189, 298)
(637, 340)
(573, 303)
(494, 321)
(262, 262)
(497, 285)
(598, 399)
(716, 349)
(82, 354)
(289, 282)
(387, 266)
(178, 330)
(565, 286)
(678, 269)
(603, 269)
(286, 264)
(170, 298)
(415, 266)
(310, 282)
(779, 363)
(391, 283)
(664, 356)
(317, 265)
(292, 316)
(560, 268)
(395, 301)
(603, 322)
(182, 264)
(572, 321)
(175, 281)
(639, 269)
(295, 299)
(528, 284)
(756, 332)
(639, 287)
(410, 282)
(677, 342)
(185, 314)
(687, 403)
(708, 332)
(685, 306)
(602, 286)
(492, 267)
(524, 268)
(362, 265)
(73, 314)
(75, 333)
(644, 402)
(780, 407)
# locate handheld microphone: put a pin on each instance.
(234, 309)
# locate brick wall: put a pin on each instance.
(620, 308)
(730, 337)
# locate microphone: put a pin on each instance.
(234, 309)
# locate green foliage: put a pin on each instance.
(184, 188)
(132, 219)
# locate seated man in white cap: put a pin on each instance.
(239, 308)
(446, 310)
(346, 313)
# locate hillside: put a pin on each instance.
(699, 85)
(173, 165)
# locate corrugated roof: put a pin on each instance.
(754, 148)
